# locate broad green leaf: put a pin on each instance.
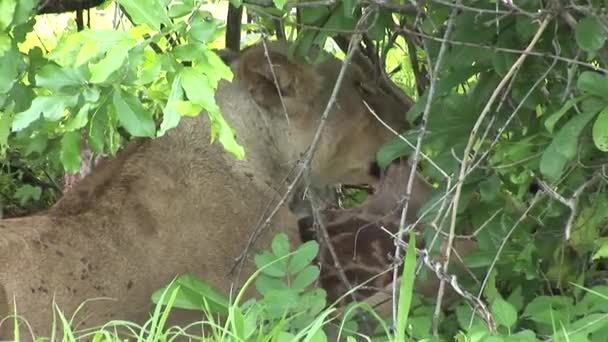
(5, 43)
(523, 336)
(150, 68)
(305, 277)
(171, 115)
(88, 51)
(57, 78)
(37, 144)
(51, 107)
(9, 63)
(266, 284)
(80, 120)
(554, 118)
(602, 252)
(213, 66)
(280, 245)
(23, 11)
(593, 83)
(600, 131)
(5, 129)
(303, 256)
(187, 108)
(192, 293)
(279, 3)
(70, 151)
(91, 94)
(589, 34)
(7, 10)
(268, 264)
(26, 193)
(504, 313)
(395, 148)
(179, 9)
(203, 26)
(549, 309)
(149, 12)
(564, 146)
(131, 114)
(98, 124)
(197, 88)
(114, 60)
(489, 189)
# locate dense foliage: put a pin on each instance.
(511, 117)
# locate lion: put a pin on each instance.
(178, 204)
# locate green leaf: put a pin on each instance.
(554, 118)
(303, 256)
(600, 131)
(602, 252)
(268, 264)
(396, 148)
(150, 68)
(114, 60)
(132, 116)
(5, 43)
(589, 34)
(9, 63)
(5, 129)
(26, 193)
(179, 9)
(305, 277)
(221, 130)
(203, 26)
(504, 313)
(489, 189)
(279, 3)
(593, 83)
(89, 50)
(70, 151)
(171, 115)
(56, 78)
(187, 108)
(7, 10)
(51, 107)
(197, 88)
(564, 146)
(406, 288)
(280, 245)
(267, 284)
(23, 11)
(149, 12)
(549, 309)
(80, 120)
(193, 292)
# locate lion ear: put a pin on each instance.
(268, 77)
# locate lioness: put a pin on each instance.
(178, 204)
